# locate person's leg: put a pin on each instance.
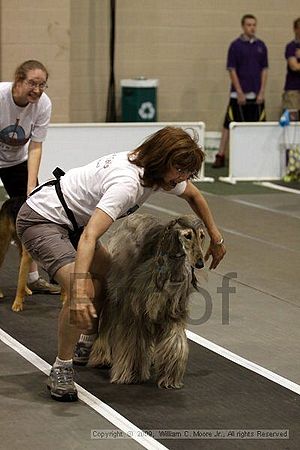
(61, 379)
(224, 141)
(14, 179)
(254, 112)
(48, 243)
(99, 270)
(291, 102)
(38, 285)
(232, 113)
(220, 156)
(68, 333)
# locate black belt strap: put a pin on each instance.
(68, 211)
(58, 173)
(37, 189)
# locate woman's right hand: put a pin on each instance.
(82, 309)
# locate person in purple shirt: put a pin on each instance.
(291, 95)
(247, 64)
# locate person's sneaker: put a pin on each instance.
(61, 384)
(219, 162)
(81, 354)
(41, 286)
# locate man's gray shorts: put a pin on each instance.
(47, 242)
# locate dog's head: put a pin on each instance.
(181, 246)
(191, 236)
(183, 238)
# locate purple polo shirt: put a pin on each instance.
(292, 80)
(248, 58)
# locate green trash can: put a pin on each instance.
(139, 100)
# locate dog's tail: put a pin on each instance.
(12, 206)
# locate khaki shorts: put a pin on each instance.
(47, 242)
(291, 100)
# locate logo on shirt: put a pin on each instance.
(14, 135)
(105, 161)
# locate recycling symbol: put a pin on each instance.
(147, 111)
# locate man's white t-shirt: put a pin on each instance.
(19, 124)
(110, 183)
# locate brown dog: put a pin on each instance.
(8, 216)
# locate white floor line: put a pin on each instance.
(229, 198)
(117, 419)
(242, 202)
(160, 209)
(227, 230)
(261, 241)
(265, 208)
(93, 402)
(278, 379)
(278, 187)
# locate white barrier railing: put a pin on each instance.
(257, 150)
(74, 145)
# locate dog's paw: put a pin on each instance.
(168, 384)
(63, 296)
(1, 294)
(17, 306)
(28, 291)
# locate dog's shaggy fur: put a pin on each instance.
(142, 322)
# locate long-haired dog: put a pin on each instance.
(8, 216)
(142, 322)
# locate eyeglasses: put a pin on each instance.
(33, 85)
(185, 173)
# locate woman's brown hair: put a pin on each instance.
(23, 69)
(170, 147)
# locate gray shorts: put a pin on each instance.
(47, 242)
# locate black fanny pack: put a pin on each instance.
(74, 234)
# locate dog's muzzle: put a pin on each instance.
(199, 264)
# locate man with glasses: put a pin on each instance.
(24, 117)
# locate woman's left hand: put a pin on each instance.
(217, 252)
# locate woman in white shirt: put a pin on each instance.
(98, 194)
(24, 117)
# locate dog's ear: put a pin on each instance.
(161, 275)
(201, 235)
(170, 243)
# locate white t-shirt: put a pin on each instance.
(110, 183)
(19, 125)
